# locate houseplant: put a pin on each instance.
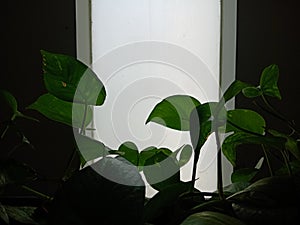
(73, 88)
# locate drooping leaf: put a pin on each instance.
(268, 81)
(111, 189)
(90, 148)
(3, 214)
(69, 79)
(62, 111)
(269, 192)
(232, 141)
(243, 175)
(161, 169)
(252, 92)
(235, 187)
(234, 89)
(290, 144)
(165, 198)
(15, 172)
(174, 112)
(22, 214)
(245, 119)
(10, 100)
(211, 218)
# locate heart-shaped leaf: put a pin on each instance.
(69, 79)
(71, 114)
(252, 92)
(246, 120)
(232, 141)
(234, 89)
(268, 81)
(174, 112)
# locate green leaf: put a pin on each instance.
(62, 111)
(185, 154)
(268, 81)
(22, 214)
(90, 148)
(165, 198)
(211, 218)
(234, 89)
(268, 192)
(111, 189)
(291, 144)
(174, 112)
(243, 175)
(252, 92)
(10, 100)
(69, 79)
(161, 169)
(14, 172)
(203, 118)
(129, 151)
(3, 214)
(294, 165)
(232, 141)
(245, 119)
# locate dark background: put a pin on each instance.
(268, 32)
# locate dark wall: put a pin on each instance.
(268, 33)
(27, 27)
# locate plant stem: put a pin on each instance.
(275, 113)
(286, 161)
(82, 130)
(268, 161)
(37, 193)
(219, 166)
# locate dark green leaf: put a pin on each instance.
(234, 89)
(268, 81)
(90, 148)
(70, 80)
(22, 214)
(252, 92)
(62, 111)
(243, 175)
(211, 218)
(161, 169)
(129, 151)
(246, 120)
(268, 192)
(294, 165)
(14, 172)
(185, 154)
(10, 100)
(235, 187)
(163, 199)
(111, 190)
(3, 214)
(174, 112)
(203, 118)
(232, 141)
(290, 144)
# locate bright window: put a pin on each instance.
(146, 50)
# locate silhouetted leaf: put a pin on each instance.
(174, 112)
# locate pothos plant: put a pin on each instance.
(119, 198)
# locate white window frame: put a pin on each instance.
(227, 46)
